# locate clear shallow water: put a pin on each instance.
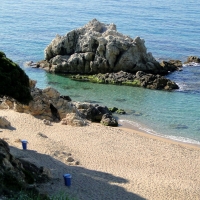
(171, 30)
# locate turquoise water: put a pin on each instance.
(170, 29)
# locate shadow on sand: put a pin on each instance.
(86, 184)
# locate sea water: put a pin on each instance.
(170, 30)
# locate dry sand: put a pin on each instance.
(109, 163)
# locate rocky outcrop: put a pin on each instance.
(17, 175)
(140, 79)
(95, 113)
(46, 104)
(191, 59)
(98, 48)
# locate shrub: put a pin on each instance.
(13, 80)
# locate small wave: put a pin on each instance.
(182, 86)
(182, 139)
(137, 125)
(191, 64)
(152, 132)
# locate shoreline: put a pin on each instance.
(131, 128)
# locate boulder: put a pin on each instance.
(108, 120)
(73, 119)
(194, 59)
(157, 82)
(4, 123)
(98, 48)
(92, 112)
(171, 66)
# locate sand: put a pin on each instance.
(106, 163)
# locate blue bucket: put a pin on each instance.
(24, 144)
(67, 178)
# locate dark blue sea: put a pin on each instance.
(171, 30)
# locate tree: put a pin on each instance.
(13, 81)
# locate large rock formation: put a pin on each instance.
(98, 48)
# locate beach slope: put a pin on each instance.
(105, 162)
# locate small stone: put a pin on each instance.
(46, 122)
(70, 159)
(77, 163)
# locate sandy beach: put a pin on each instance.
(106, 163)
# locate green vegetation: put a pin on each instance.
(120, 112)
(13, 80)
(6, 182)
(135, 83)
(113, 109)
(100, 78)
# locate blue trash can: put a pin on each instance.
(24, 144)
(67, 179)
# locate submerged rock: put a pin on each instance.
(140, 79)
(98, 48)
(113, 109)
(120, 112)
(179, 126)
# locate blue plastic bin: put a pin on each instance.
(67, 179)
